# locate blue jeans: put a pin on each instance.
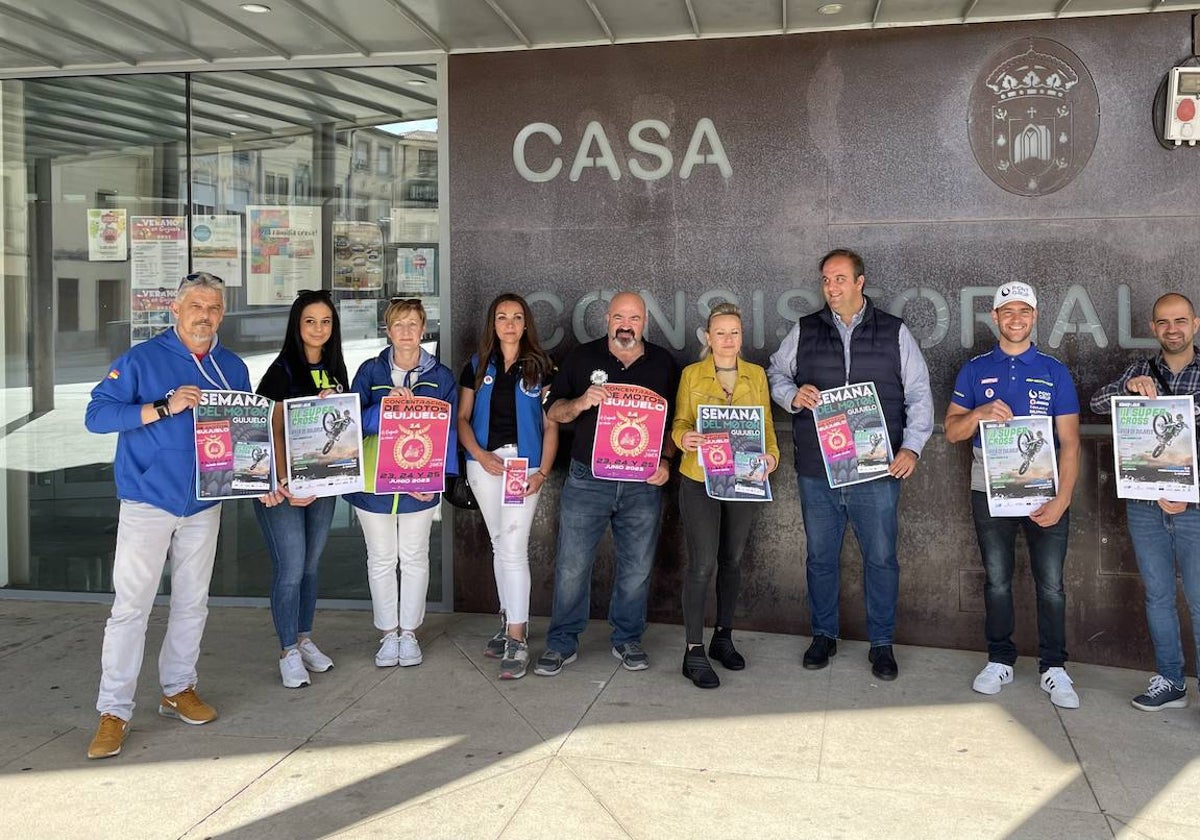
(1047, 553)
(587, 507)
(295, 536)
(870, 508)
(1160, 540)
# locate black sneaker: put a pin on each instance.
(1161, 694)
(696, 668)
(818, 653)
(495, 645)
(551, 662)
(633, 657)
(883, 663)
(721, 649)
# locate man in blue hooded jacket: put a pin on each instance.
(147, 398)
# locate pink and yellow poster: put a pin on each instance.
(629, 433)
(214, 446)
(516, 480)
(414, 433)
(716, 454)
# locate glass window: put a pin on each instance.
(93, 275)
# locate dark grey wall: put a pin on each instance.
(853, 139)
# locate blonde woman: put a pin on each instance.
(396, 526)
(716, 530)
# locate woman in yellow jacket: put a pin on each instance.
(717, 530)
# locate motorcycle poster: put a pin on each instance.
(414, 434)
(324, 445)
(1154, 448)
(1020, 466)
(733, 454)
(852, 434)
(233, 445)
(629, 433)
(516, 482)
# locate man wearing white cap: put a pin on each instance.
(1015, 379)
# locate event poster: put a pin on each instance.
(415, 272)
(716, 454)
(414, 434)
(158, 251)
(739, 473)
(233, 445)
(149, 313)
(284, 244)
(852, 434)
(1154, 447)
(106, 235)
(324, 445)
(217, 247)
(516, 481)
(629, 432)
(357, 256)
(1020, 468)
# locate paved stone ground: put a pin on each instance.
(445, 750)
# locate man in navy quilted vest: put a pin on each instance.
(850, 341)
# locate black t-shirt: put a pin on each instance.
(502, 424)
(278, 383)
(655, 369)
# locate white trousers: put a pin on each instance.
(146, 537)
(398, 539)
(509, 528)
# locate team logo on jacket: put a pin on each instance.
(414, 448)
(1034, 117)
(114, 374)
(629, 436)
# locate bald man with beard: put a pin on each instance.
(590, 505)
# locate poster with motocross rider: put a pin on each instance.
(1020, 468)
(414, 433)
(324, 445)
(1154, 447)
(233, 445)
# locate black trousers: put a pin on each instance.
(716, 533)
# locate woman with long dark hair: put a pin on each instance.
(295, 529)
(500, 416)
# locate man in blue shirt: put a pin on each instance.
(1018, 380)
(1165, 533)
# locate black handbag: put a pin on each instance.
(458, 490)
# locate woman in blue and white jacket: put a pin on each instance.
(500, 416)
(396, 526)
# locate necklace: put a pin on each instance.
(724, 369)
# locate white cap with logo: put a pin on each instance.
(1014, 291)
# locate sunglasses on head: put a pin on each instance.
(406, 301)
(325, 293)
(201, 277)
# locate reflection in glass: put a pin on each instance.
(287, 180)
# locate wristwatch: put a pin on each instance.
(162, 409)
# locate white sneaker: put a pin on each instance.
(410, 651)
(314, 660)
(291, 669)
(1057, 684)
(389, 651)
(993, 676)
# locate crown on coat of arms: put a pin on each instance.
(1032, 74)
